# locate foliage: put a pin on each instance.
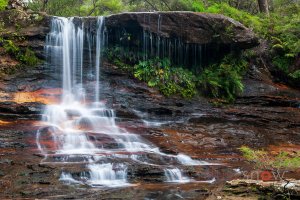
(264, 160)
(282, 63)
(189, 5)
(26, 56)
(295, 75)
(78, 7)
(283, 33)
(3, 4)
(10, 47)
(239, 15)
(57, 7)
(155, 72)
(281, 29)
(169, 80)
(121, 54)
(224, 80)
(102, 7)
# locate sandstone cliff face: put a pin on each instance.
(24, 28)
(189, 39)
(218, 33)
(191, 27)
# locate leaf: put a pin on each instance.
(152, 83)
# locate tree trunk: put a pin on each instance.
(45, 2)
(263, 6)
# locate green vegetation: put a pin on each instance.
(221, 80)
(247, 19)
(267, 161)
(284, 39)
(224, 79)
(155, 72)
(3, 4)
(123, 57)
(169, 80)
(280, 27)
(26, 57)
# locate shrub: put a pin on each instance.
(224, 80)
(247, 19)
(264, 160)
(283, 32)
(3, 4)
(295, 74)
(169, 80)
(191, 5)
(26, 56)
(155, 72)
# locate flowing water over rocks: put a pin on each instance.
(84, 132)
(134, 143)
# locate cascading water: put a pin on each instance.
(175, 176)
(99, 45)
(83, 130)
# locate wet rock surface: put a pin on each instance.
(272, 189)
(196, 28)
(266, 115)
(175, 125)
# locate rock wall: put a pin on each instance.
(191, 27)
(26, 29)
(189, 39)
(186, 38)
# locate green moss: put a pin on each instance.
(3, 4)
(9, 46)
(264, 160)
(241, 16)
(26, 57)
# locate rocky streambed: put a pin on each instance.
(265, 116)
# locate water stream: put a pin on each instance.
(82, 129)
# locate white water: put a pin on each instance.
(175, 176)
(86, 133)
(108, 175)
(99, 45)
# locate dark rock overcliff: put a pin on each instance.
(191, 27)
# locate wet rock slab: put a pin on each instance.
(274, 189)
(193, 127)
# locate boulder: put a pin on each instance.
(191, 27)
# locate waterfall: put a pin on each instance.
(99, 45)
(175, 175)
(108, 175)
(82, 130)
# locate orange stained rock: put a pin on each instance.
(290, 148)
(46, 96)
(4, 122)
(281, 86)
